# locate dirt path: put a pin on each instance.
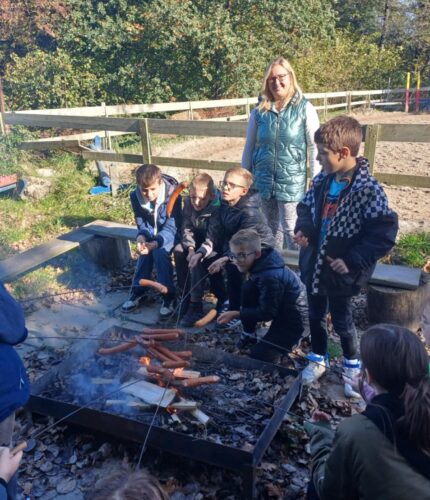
(412, 204)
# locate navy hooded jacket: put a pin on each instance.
(14, 385)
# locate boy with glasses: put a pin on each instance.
(272, 292)
(202, 204)
(240, 209)
(156, 234)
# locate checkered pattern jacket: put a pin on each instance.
(362, 231)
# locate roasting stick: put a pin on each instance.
(19, 447)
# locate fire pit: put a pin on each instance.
(241, 413)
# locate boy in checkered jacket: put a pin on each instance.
(344, 226)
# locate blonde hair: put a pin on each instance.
(138, 485)
(267, 96)
(245, 174)
(147, 174)
(248, 238)
(203, 180)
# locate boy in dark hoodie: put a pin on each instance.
(240, 209)
(202, 203)
(14, 385)
(272, 293)
(157, 234)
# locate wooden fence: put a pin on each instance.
(95, 119)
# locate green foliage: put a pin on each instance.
(11, 157)
(50, 80)
(414, 249)
(348, 63)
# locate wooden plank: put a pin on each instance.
(26, 261)
(372, 133)
(404, 133)
(79, 122)
(396, 276)
(197, 128)
(193, 163)
(145, 140)
(73, 138)
(113, 157)
(404, 277)
(419, 181)
(47, 145)
(111, 229)
(81, 111)
(151, 393)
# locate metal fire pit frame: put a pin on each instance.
(224, 456)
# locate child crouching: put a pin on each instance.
(272, 293)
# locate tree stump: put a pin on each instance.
(396, 305)
(108, 253)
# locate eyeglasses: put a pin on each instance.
(280, 78)
(240, 257)
(230, 185)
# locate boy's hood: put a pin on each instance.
(270, 259)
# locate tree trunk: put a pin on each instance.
(398, 306)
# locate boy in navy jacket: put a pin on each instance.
(157, 234)
(14, 385)
(272, 292)
(344, 226)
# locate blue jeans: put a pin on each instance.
(161, 260)
(340, 309)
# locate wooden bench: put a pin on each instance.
(106, 243)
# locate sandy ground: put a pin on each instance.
(412, 204)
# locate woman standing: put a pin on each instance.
(279, 138)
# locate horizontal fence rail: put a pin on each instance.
(95, 119)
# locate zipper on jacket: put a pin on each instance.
(278, 118)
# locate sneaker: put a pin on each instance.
(232, 325)
(315, 369)
(351, 370)
(193, 314)
(167, 308)
(246, 340)
(132, 302)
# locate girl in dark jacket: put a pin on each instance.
(383, 453)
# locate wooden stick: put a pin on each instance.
(19, 447)
(195, 382)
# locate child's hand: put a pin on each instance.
(338, 265)
(141, 247)
(191, 252)
(194, 260)
(227, 316)
(8, 463)
(300, 239)
(216, 266)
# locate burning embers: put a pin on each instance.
(170, 374)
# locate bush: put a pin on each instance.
(414, 249)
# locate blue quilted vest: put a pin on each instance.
(280, 153)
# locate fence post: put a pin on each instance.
(370, 141)
(108, 144)
(348, 102)
(408, 83)
(325, 105)
(190, 111)
(247, 108)
(145, 140)
(4, 129)
(418, 92)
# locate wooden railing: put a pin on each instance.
(144, 127)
